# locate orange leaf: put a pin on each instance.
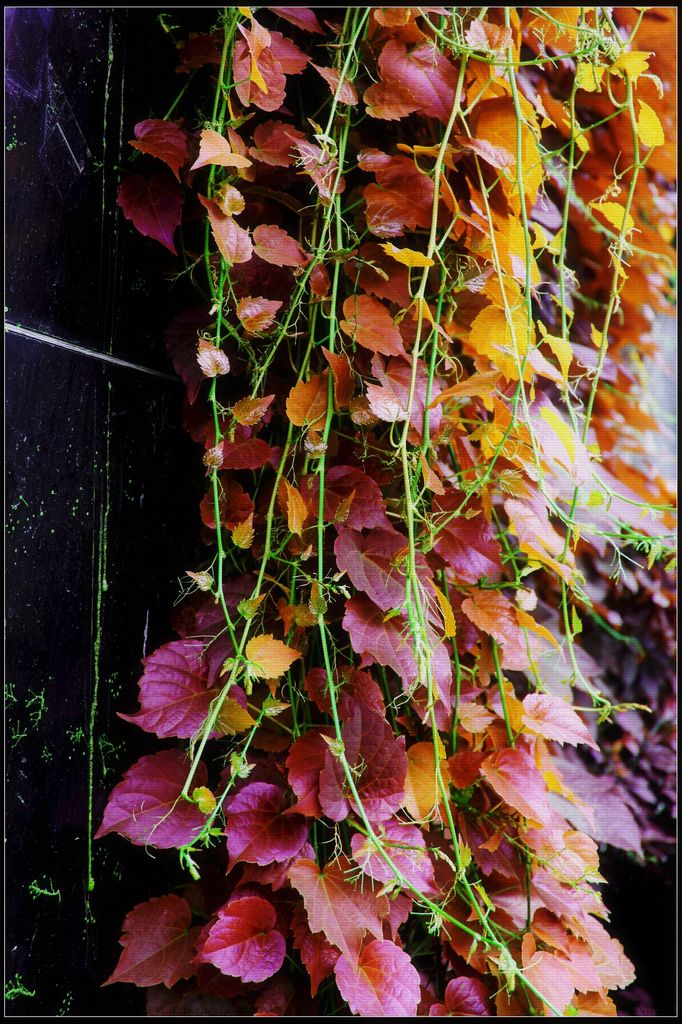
(343, 378)
(269, 658)
(369, 323)
(307, 402)
(249, 411)
(297, 510)
(421, 787)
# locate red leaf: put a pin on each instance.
(275, 246)
(391, 283)
(423, 80)
(381, 764)
(548, 716)
(402, 197)
(376, 564)
(234, 242)
(341, 911)
(234, 505)
(257, 315)
(158, 944)
(464, 997)
(317, 955)
(181, 338)
(257, 830)
(514, 777)
(407, 849)
(246, 454)
(146, 807)
(174, 694)
(244, 942)
(306, 759)
(467, 543)
(382, 983)
(370, 324)
(389, 643)
(152, 205)
(162, 139)
(275, 142)
(355, 490)
(355, 686)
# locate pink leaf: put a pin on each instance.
(152, 205)
(383, 982)
(244, 942)
(146, 806)
(275, 246)
(258, 831)
(302, 17)
(274, 143)
(158, 944)
(376, 564)
(337, 908)
(317, 955)
(323, 168)
(467, 543)
(514, 777)
(548, 716)
(234, 242)
(406, 848)
(174, 693)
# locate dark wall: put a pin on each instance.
(102, 494)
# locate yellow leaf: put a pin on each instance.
(269, 658)
(449, 622)
(632, 64)
(596, 336)
(204, 799)
(408, 257)
(589, 77)
(297, 510)
(561, 430)
(242, 535)
(257, 77)
(421, 787)
(527, 621)
(614, 213)
(561, 349)
(233, 718)
(493, 335)
(649, 128)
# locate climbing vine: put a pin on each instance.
(429, 247)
